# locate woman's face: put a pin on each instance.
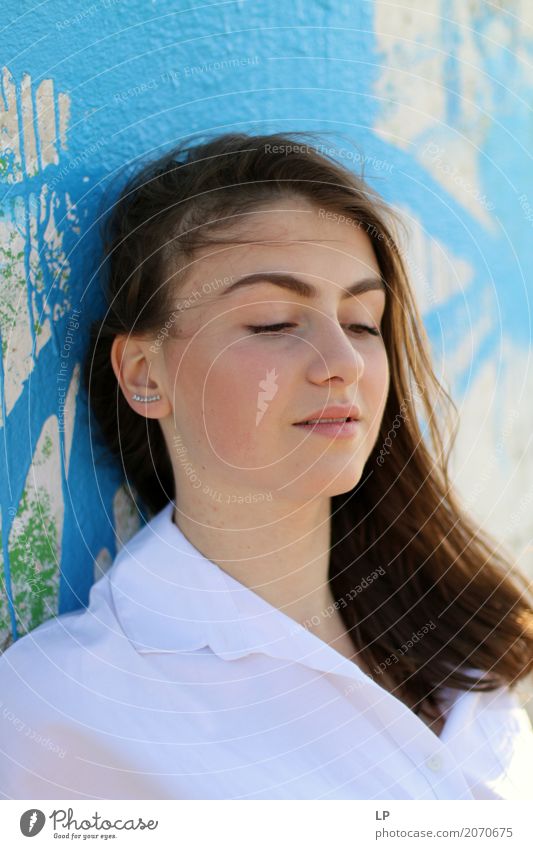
(236, 395)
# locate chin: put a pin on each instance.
(328, 485)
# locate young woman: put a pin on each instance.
(308, 612)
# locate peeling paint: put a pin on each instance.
(126, 523)
(125, 516)
(491, 465)
(436, 88)
(102, 563)
(35, 537)
(436, 272)
(451, 77)
(70, 414)
(33, 262)
(31, 249)
(9, 131)
(6, 636)
(34, 298)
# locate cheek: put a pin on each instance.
(377, 380)
(228, 393)
(243, 387)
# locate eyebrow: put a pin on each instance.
(301, 287)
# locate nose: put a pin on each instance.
(335, 356)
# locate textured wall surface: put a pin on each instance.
(433, 98)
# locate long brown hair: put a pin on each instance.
(426, 595)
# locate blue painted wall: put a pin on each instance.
(438, 103)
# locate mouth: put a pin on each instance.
(333, 420)
(339, 427)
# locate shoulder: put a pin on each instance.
(68, 650)
(504, 708)
(490, 734)
(53, 685)
(491, 710)
(63, 639)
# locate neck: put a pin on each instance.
(283, 560)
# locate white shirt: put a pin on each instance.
(178, 682)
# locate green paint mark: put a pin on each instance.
(13, 292)
(47, 446)
(5, 622)
(34, 545)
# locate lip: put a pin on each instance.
(338, 430)
(338, 411)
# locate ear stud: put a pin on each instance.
(146, 398)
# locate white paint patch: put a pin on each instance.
(102, 564)
(70, 414)
(38, 127)
(9, 131)
(413, 42)
(28, 132)
(459, 360)
(64, 117)
(411, 80)
(46, 123)
(434, 271)
(490, 463)
(126, 517)
(126, 524)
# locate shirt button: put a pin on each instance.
(434, 763)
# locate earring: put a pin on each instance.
(146, 399)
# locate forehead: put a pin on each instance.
(290, 236)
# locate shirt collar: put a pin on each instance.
(170, 598)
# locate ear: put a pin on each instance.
(136, 370)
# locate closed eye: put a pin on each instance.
(275, 328)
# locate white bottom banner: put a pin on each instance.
(268, 824)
